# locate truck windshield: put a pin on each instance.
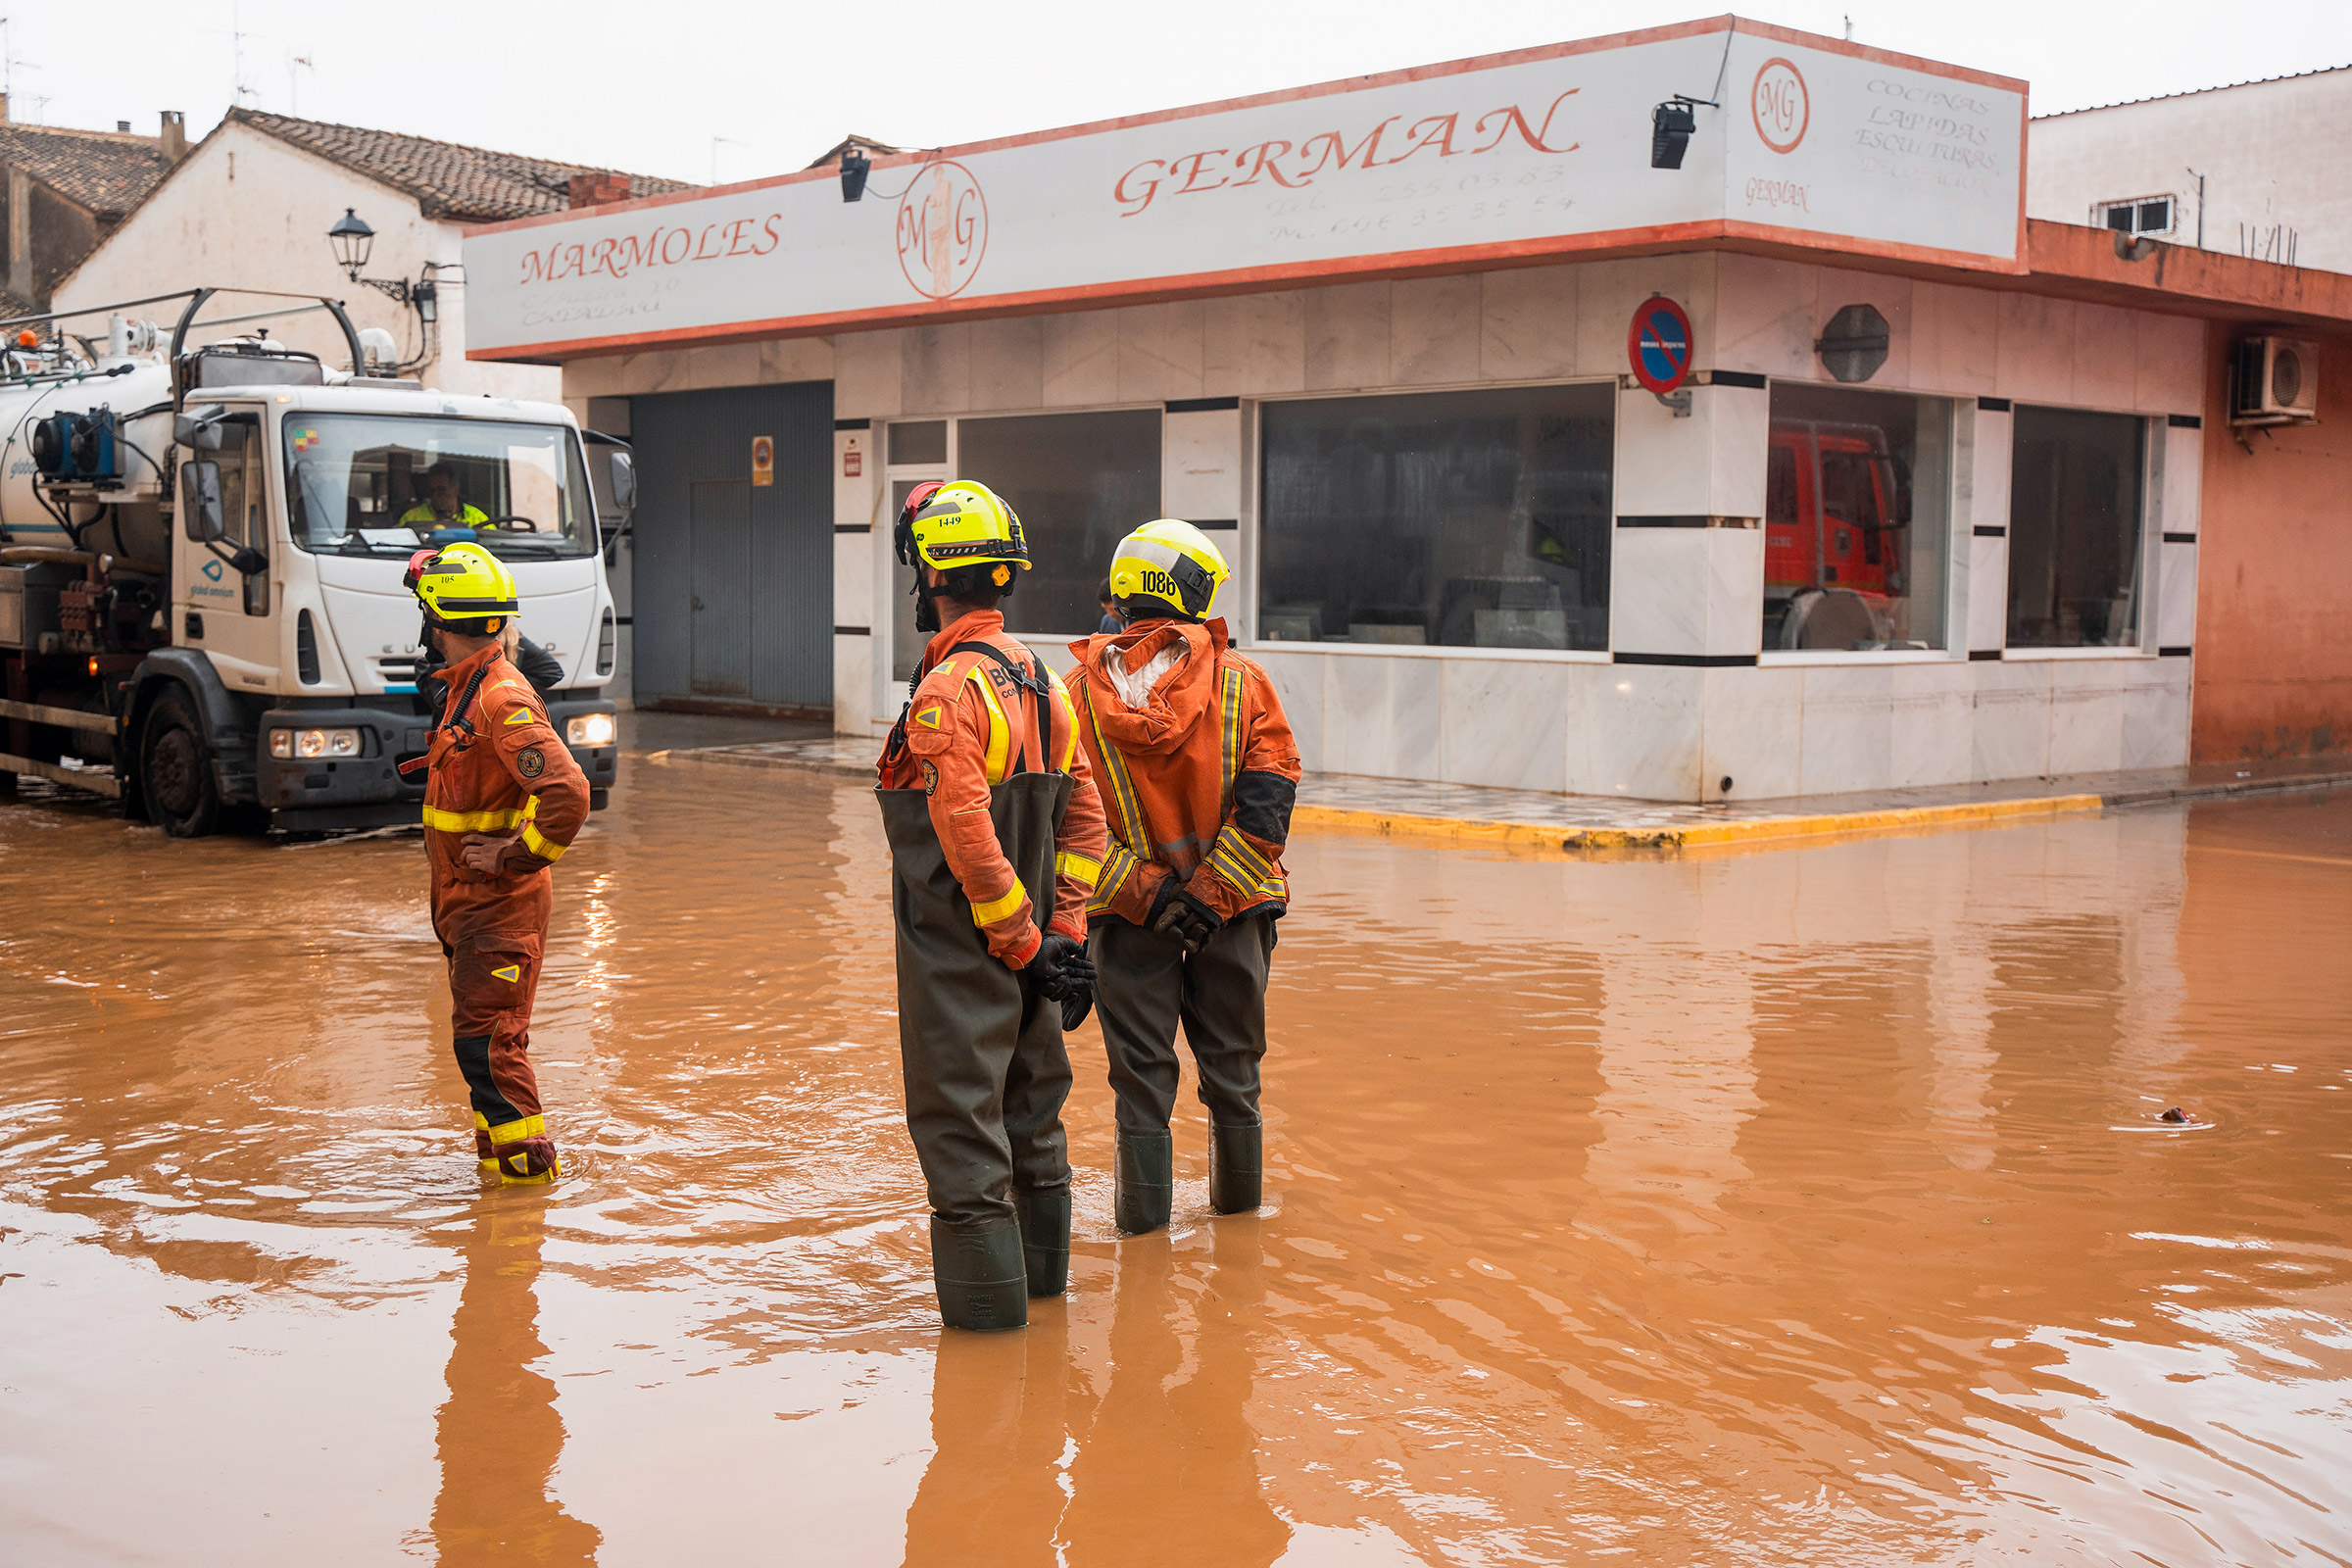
(379, 484)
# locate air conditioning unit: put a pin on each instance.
(2275, 381)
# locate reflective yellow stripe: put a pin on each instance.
(998, 736)
(1130, 827)
(1069, 725)
(472, 821)
(1233, 738)
(996, 910)
(1250, 873)
(545, 849)
(515, 1132)
(1078, 867)
(1117, 867)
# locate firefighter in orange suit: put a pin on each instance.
(502, 800)
(1197, 771)
(996, 840)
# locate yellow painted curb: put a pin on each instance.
(1745, 830)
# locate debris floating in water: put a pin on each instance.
(2176, 1114)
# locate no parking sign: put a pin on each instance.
(1659, 344)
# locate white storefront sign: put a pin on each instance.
(1540, 154)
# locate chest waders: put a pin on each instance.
(981, 1051)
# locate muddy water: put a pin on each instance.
(1802, 1205)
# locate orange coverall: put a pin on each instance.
(966, 722)
(1198, 783)
(497, 767)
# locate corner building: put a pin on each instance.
(1920, 505)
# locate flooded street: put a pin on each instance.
(1791, 1205)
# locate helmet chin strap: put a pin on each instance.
(926, 608)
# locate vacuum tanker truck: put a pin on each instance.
(203, 540)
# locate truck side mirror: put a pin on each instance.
(200, 515)
(622, 474)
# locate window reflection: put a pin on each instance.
(2075, 530)
(1461, 519)
(1857, 520)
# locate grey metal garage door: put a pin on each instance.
(734, 580)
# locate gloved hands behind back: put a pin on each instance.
(1061, 968)
(1175, 913)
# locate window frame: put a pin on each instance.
(2154, 432)
(1252, 526)
(2101, 211)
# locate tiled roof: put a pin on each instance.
(463, 184)
(106, 171)
(2125, 103)
(865, 144)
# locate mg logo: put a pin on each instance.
(1780, 105)
(943, 229)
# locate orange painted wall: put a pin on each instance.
(2273, 654)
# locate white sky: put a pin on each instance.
(648, 86)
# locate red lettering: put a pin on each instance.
(1511, 117)
(1192, 178)
(669, 260)
(1262, 163)
(1120, 192)
(1435, 131)
(1336, 151)
(769, 229)
(735, 245)
(701, 250)
(575, 263)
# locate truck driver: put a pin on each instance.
(442, 506)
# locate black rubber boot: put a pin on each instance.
(976, 1269)
(1142, 1182)
(1045, 1238)
(1236, 1180)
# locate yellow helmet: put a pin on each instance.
(1171, 562)
(464, 587)
(961, 523)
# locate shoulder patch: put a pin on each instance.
(521, 716)
(928, 715)
(529, 762)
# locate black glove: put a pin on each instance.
(1176, 913)
(1059, 966)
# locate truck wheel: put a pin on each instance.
(176, 771)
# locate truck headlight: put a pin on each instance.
(588, 729)
(313, 744)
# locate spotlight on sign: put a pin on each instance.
(855, 167)
(1670, 126)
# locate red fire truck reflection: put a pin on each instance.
(1836, 538)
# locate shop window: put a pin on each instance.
(1081, 483)
(2075, 499)
(2142, 215)
(1857, 520)
(1473, 520)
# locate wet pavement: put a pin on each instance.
(1791, 1205)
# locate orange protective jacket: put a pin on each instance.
(1199, 782)
(496, 766)
(967, 727)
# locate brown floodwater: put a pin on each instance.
(1802, 1205)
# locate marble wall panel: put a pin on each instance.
(660, 370)
(723, 365)
(1608, 291)
(1527, 323)
(1643, 733)
(1891, 296)
(1160, 349)
(1658, 582)
(1200, 465)
(852, 685)
(2177, 596)
(1992, 439)
(1348, 336)
(2106, 357)
(1849, 728)
(1434, 330)
(2011, 735)
(935, 368)
(1766, 317)
(866, 375)
(2155, 724)
(2037, 350)
(1008, 364)
(1734, 622)
(1505, 723)
(2183, 479)
(1929, 724)
(1360, 732)
(2169, 368)
(1752, 732)
(1081, 352)
(1739, 434)
(1253, 344)
(2087, 713)
(786, 359)
(1955, 339)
